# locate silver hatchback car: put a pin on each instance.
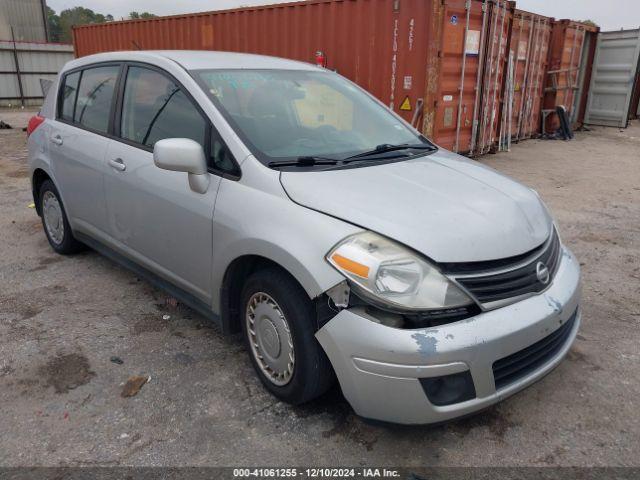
(282, 201)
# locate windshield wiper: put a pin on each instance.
(386, 147)
(304, 162)
(312, 161)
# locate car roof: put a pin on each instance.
(198, 60)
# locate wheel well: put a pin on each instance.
(39, 177)
(234, 279)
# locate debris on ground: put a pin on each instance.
(133, 386)
(171, 303)
(5, 126)
(117, 360)
(166, 317)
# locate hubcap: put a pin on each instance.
(270, 338)
(52, 214)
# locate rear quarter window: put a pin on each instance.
(68, 95)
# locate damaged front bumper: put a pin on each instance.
(382, 370)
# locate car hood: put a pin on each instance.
(445, 206)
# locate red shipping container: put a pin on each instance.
(439, 63)
(568, 75)
(529, 45)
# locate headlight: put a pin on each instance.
(391, 274)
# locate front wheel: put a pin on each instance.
(278, 327)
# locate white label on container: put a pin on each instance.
(448, 98)
(473, 42)
(522, 50)
(408, 82)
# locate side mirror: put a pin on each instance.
(183, 155)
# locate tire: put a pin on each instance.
(59, 231)
(312, 372)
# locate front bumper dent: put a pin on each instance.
(379, 367)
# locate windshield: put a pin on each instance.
(289, 114)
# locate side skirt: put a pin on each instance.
(184, 297)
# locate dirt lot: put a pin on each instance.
(63, 318)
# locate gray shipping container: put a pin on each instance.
(27, 17)
(20, 83)
(614, 74)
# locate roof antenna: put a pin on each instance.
(135, 44)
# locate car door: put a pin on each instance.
(153, 214)
(78, 143)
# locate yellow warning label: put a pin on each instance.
(406, 104)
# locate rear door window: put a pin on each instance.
(95, 96)
(155, 108)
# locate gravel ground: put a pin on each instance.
(63, 318)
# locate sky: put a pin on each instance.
(609, 14)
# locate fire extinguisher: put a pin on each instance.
(321, 59)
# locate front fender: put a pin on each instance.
(255, 217)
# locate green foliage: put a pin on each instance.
(589, 22)
(53, 25)
(137, 15)
(60, 25)
(77, 16)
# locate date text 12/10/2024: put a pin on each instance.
(315, 473)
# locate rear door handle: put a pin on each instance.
(57, 139)
(118, 164)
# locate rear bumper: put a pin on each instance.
(379, 367)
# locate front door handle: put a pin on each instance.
(57, 139)
(118, 164)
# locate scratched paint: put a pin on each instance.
(427, 344)
(412, 24)
(553, 303)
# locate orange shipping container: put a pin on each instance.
(466, 73)
(569, 72)
(438, 63)
(530, 39)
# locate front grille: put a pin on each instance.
(521, 279)
(509, 369)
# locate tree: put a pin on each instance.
(590, 22)
(60, 25)
(53, 25)
(136, 15)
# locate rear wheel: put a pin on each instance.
(54, 220)
(278, 326)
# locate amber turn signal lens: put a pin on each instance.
(351, 266)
